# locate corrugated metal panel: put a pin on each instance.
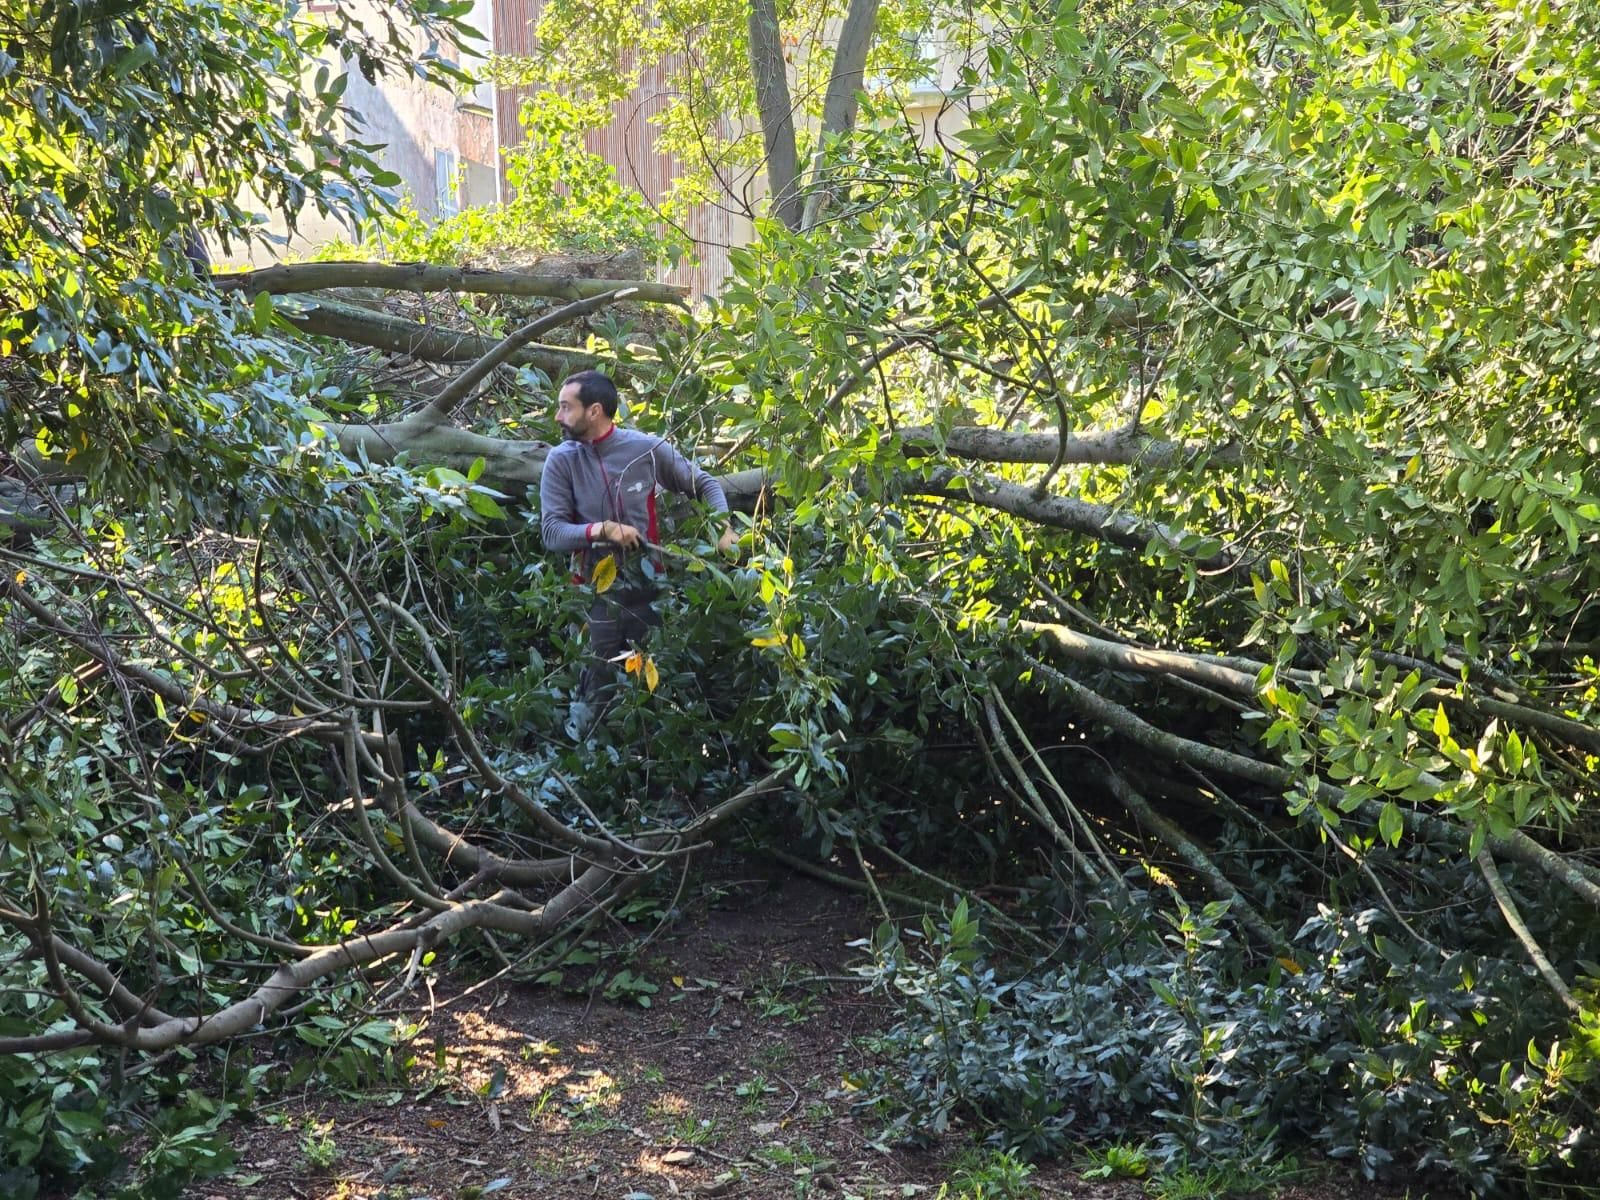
(626, 143)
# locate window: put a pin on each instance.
(931, 52)
(920, 80)
(446, 184)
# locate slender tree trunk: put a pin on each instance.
(840, 102)
(771, 76)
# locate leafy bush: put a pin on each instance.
(1158, 1029)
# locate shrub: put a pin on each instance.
(1157, 1028)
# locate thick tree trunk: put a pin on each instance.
(840, 102)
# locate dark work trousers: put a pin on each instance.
(617, 619)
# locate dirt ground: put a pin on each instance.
(732, 1083)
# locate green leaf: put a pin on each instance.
(141, 53)
(1391, 824)
(79, 1122)
(1513, 753)
(485, 506)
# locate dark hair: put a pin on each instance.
(594, 388)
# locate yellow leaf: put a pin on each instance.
(651, 675)
(632, 664)
(1289, 965)
(22, 578)
(677, 980)
(775, 640)
(605, 574)
(199, 718)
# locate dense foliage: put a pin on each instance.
(1324, 272)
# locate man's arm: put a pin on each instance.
(558, 508)
(690, 479)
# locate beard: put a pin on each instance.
(571, 433)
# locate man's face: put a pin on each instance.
(576, 421)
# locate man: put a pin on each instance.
(597, 500)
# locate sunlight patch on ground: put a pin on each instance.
(485, 1049)
(668, 1104)
(594, 1089)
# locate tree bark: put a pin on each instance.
(1101, 653)
(1064, 512)
(367, 327)
(770, 73)
(426, 277)
(1113, 447)
(840, 102)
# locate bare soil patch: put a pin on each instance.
(732, 1083)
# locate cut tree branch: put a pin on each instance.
(1119, 447)
(461, 387)
(427, 277)
(1064, 512)
(510, 466)
(1517, 846)
(1508, 909)
(1193, 856)
(161, 1031)
(362, 326)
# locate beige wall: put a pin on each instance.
(414, 122)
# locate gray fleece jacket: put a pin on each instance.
(613, 479)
